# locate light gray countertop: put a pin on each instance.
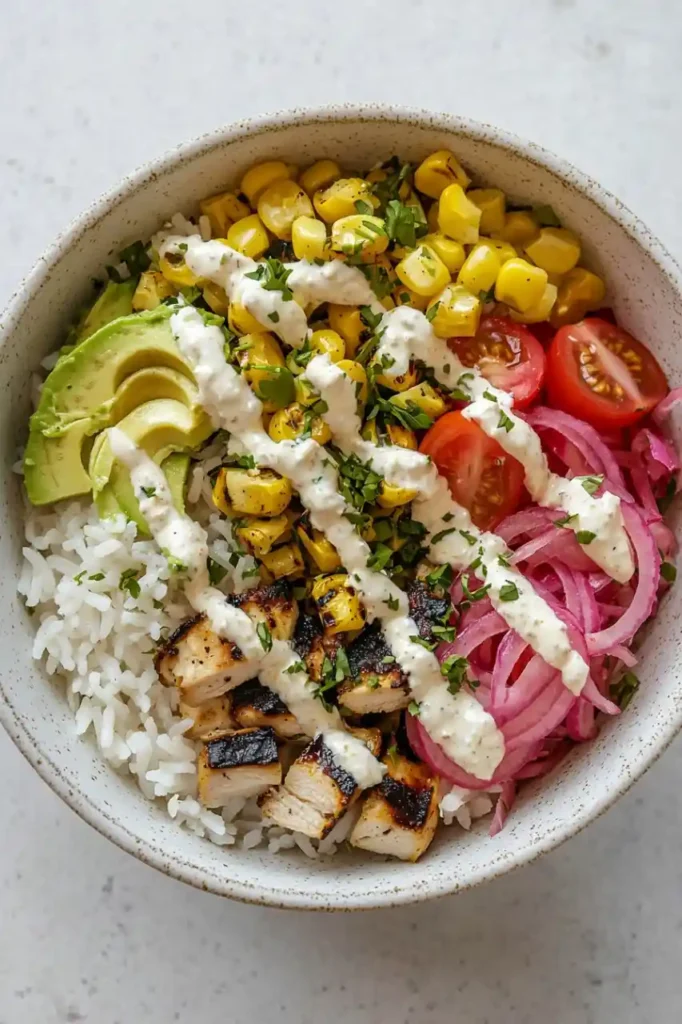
(592, 932)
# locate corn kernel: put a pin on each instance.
(452, 253)
(424, 397)
(285, 562)
(347, 322)
(401, 436)
(491, 202)
(423, 271)
(323, 553)
(259, 535)
(219, 494)
(151, 289)
(439, 170)
(319, 175)
(248, 236)
(458, 217)
(400, 382)
(391, 496)
(175, 270)
(256, 354)
(309, 239)
(540, 311)
(359, 233)
(222, 210)
(457, 312)
(504, 250)
(338, 603)
(403, 296)
(520, 285)
(329, 343)
(556, 250)
(215, 298)
(357, 373)
(279, 206)
(339, 199)
(579, 292)
(288, 424)
(480, 269)
(432, 217)
(259, 493)
(240, 321)
(519, 228)
(261, 176)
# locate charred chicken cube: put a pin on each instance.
(313, 645)
(204, 665)
(429, 607)
(376, 683)
(400, 815)
(242, 764)
(200, 663)
(316, 792)
(274, 605)
(209, 719)
(255, 705)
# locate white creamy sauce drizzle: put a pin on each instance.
(473, 739)
(185, 542)
(311, 283)
(461, 542)
(406, 334)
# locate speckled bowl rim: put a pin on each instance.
(261, 892)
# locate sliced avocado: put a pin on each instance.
(147, 385)
(159, 428)
(79, 396)
(116, 300)
(117, 495)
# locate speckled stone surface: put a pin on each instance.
(591, 933)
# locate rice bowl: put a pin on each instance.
(166, 760)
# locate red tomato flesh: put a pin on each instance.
(507, 355)
(600, 373)
(480, 474)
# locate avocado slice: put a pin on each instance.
(159, 427)
(115, 300)
(79, 398)
(117, 495)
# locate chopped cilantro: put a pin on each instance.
(80, 577)
(428, 644)
(404, 224)
(505, 422)
(273, 276)
(362, 207)
(585, 536)
(96, 577)
(566, 520)
(274, 316)
(469, 537)
(509, 592)
(442, 533)
(296, 666)
(413, 708)
(454, 669)
(592, 483)
(128, 582)
(265, 636)
(393, 603)
(216, 572)
(624, 689)
(148, 492)
(278, 387)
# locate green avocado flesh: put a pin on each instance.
(124, 367)
(115, 301)
(117, 495)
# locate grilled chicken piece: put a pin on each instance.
(313, 644)
(254, 705)
(200, 663)
(316, 790)
(376, 682)
(274, 605)
(210, 719)
(400, 815)
(203, 665)
(428, 605)
(242, 764)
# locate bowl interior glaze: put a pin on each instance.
(645, 289)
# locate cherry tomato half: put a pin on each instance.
(508, 355)
(480, 474)
(600, 373)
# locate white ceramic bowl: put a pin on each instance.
(645, 287)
